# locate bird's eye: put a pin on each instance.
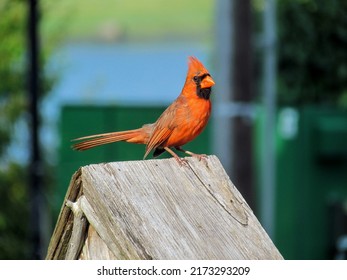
(196, 78)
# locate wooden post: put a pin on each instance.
(155, 209)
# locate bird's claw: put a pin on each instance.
(182, 161)
(200, 157)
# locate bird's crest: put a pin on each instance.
(195, 66)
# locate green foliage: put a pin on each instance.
(13, 213)
(312, 57)
(12, 100)
(13, 191)
(14, 227)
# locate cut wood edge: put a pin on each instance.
(58, 244)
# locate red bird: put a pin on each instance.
(179, 124)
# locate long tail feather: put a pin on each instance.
(134, 136)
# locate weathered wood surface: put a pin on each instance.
(155, 209)
(95, 248)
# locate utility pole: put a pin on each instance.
(242, 96)
(35, 168)
(234, 110)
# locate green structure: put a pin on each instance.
(311, 182)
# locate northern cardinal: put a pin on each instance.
(179, 124)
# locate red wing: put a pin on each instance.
(158, 137)
(163, 128)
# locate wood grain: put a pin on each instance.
(155, 209)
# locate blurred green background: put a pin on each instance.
(115, 65)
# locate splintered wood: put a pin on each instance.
(155, 209)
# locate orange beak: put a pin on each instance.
(207, 82)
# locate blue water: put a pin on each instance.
(122, 73)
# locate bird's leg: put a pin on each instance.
(181, 161)
(198, 156)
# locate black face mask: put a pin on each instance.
(203, 92)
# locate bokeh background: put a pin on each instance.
(279, 121)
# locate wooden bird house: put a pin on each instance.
(156, 209)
